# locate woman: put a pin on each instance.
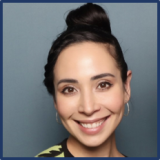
(90, 82)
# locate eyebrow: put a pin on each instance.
(92, 78)
(102, 75)
(67, 81)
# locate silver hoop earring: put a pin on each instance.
(57, 118)
(128, 110)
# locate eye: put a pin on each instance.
(104, 85)
(68, 90)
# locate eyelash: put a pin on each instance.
(106, 83)
(105, 88)
(63, 91)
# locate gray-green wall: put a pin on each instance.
(29, 124)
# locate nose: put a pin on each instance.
(88, 104)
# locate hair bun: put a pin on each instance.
(89, 15)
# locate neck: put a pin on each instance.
(107, 149)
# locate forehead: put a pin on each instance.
(87, 59)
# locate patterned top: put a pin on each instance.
(59, 150)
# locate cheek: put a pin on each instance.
(65, 106)
(113, 101)
(116, 104)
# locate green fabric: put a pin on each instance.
(55, 151)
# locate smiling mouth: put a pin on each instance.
(93, 124)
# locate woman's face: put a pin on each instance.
(90, 95)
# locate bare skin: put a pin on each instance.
(107, 149)
(90, 98)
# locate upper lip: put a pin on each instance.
(92, 120)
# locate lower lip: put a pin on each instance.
(92, 131)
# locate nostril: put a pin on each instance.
(88, 108)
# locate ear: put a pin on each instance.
(55, 104)
(127, 86)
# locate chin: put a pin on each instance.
(93, 141)
(93, 144)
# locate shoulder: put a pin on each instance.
(54, 151)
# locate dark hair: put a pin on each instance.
(86, 23)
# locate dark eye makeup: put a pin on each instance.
(101, 86)
(68, 90)
(104, 85)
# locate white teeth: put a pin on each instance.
(92, 125)
(89, 125)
